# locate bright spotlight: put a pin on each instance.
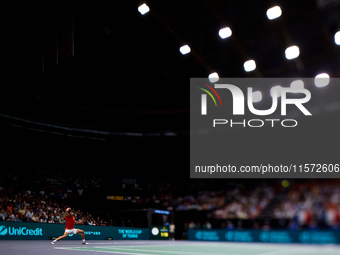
(257, 96)
(274, 12)
(225, 32)
(277, 89)
(337, 38)
(185, 49)
(292, 52)
(143, 9)
(321, 80)
(213, 77)
(249, 65)
(298, 84)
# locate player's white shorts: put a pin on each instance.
(71, 231)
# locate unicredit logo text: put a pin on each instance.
(12, 231)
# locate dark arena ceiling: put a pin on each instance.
(101, 65)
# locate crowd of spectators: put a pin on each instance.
(46, 203)
(43, 195)
(28, 206)
(311, 204)
(314, 203)
(231, 203)
(247, 205)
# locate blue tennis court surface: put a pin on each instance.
(163, 247)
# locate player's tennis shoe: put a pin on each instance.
(85, 243)
(53, 243)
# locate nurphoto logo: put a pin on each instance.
(238, 105)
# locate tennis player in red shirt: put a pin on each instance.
(69, 229)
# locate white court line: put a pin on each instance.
(139, 250)
(173, 252)
(282, 251)
(126, 242)
(300, 251)
(287, 251)
(122, 246)
(136, 246)
(116, 252)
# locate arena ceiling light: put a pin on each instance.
(143, 9)
(249, 65)
(276, 89)
(298, 84)
(337, 38)
(321, 80)
(213, 77)
(257, 96)
(292, 52)
(225, 32)
(185, 49)
(274, 12)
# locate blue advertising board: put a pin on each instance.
(266, 236)
(45, 231)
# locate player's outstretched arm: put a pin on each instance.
(67, 212)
